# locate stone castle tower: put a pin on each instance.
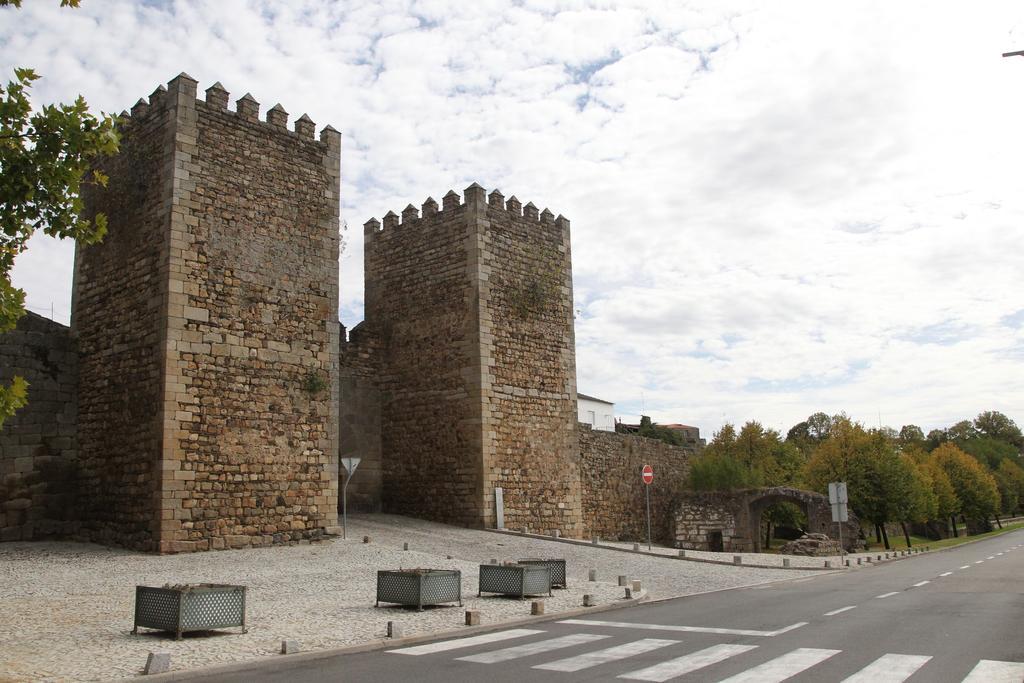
(207, 329)
(469, 333)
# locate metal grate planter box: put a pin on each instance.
(190, 607)
(515, 579)
(419, 587)
(557, 568)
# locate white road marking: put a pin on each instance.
(920, 583)
(687, 663)
(611, 654)
(781, 668)
(839, 611)
(998, 554)
(536, 648)
(889, 669)
(945, 573)
(685, 629)
(966, 566)
(991, 557)
(887, 595)
(458, 643)
(991, 671)
(979, 561)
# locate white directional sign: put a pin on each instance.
(838, 499)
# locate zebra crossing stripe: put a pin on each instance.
(530, 649)
(889, 669)
(781, 668)
(685, 629)
(611, 654)
(458, 643)
(687, 663)
(991, 671)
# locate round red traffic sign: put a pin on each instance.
(648, 474)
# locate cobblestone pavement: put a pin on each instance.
(66, 608)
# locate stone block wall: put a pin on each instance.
(419, 301)
(38, 445)
(360, 418)
(613, 497)
(528, 361)
(226, 434)
(702, 514)
(471, 302)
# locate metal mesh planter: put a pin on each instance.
(515, 579)
(557, 568)
(191, 607)
(419, 587)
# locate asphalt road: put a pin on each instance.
(945, 616)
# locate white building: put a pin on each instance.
(595, 412)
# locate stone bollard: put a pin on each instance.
(494, 561)
(623, 580)
(395, 630)
(472, 618)
(858, 560)
(289, 647)
(537, 607)
(588, 600)
(405, 546)
(847, 563)
(555, 533)
(878, 558)
(366, 539)
(636, 585)
(629, 593)
(868, 559)
(828, 564)
(682, 553)
(737, 559)
(636, 547)
(785, 562)
(158, 663)
(594, 540)
(592, 575)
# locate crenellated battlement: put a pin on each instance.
(473, 196)
(217, 98)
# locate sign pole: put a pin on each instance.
(647, 489)
(350, 465)
(647, 476)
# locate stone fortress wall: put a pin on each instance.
(216, 389)
(207, 328)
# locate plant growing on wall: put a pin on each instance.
(313, 383)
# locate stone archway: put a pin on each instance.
(735, 517)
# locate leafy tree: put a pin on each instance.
(911, 435)
(46, 156)
(1010, 480)
(652, 430)
(995, 425)
(936, 438)
(975, 488)
(718, 472)
(962, 431)
(988, 451)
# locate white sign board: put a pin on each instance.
(838, 499)
(499, 507)
(350, 464)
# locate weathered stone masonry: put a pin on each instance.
(472, 304)
(208, 329)
(38, 445)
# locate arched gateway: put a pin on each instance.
(730, 521)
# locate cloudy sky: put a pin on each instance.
(777, 207)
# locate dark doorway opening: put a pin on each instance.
(715, 544)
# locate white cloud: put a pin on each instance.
(776, 209)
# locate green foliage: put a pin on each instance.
(754, 457)
(988, 451)
(652, 430)
(313, 383)
(995, 425)
(911, 435)
(46, 157)
(1010, 480)
(975, 488)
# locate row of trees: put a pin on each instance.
(972, 470)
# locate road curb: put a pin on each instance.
(590, 544)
